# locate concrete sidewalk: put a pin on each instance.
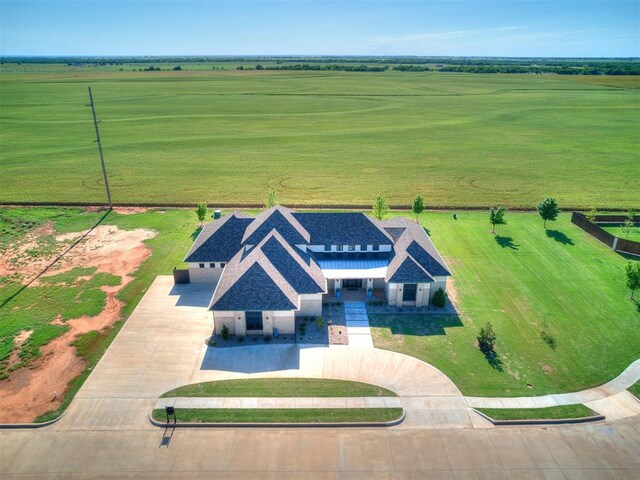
(280, 402)
(358, 330)
(610, 399)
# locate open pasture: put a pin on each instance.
(320, 137)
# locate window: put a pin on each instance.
(352, 248)
(212, 265)
(375, 248)
(327, 248)
(339, 248)
(222, 265)
(254, 320)
(409, 294)
(201, 265)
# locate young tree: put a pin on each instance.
(626, 228)
(201, 211)
(548, 210)
(496, 217)
(272, 199)
(418, 205)
(380, 207)
(632, 276)
(592, 215)
(487, 338)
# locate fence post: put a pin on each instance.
(615, 243)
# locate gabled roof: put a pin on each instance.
(281, 219)
(343, 228)
(302, 272)
(408, 271)
(413, 244)
(219, 240)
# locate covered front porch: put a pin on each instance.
(357, 295)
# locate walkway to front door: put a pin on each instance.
(355, 314)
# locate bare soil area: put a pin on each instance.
(31, 391)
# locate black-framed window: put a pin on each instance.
(254, 320)
(339, 248)
(409, 293)
(327, 248)
(352, 248)
(212, 265)
(201, 265)
(375, 248)
(222, 265)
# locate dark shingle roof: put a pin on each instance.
(408, 271)
(219, 240)
(255, 289)
(343, 228)
(305, 278)
(415, 244)
(281, 219)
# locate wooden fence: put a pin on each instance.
(615, 243)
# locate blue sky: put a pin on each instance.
(589, 28)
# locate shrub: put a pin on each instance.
(319, 321)
(440, 298)
(267, 338)
(487, 338)
(302, 328)
(225, 332)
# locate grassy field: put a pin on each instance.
(282, 415)
(549, 413)
(281, 387)
(556, 298)
(617, 231)
(320, 137)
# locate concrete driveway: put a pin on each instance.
(162, 346)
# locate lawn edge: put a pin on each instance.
(534, 422)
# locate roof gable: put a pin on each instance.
(219, 240)
(426, 260)
(278, 218)
(255, 289)
(408, 271)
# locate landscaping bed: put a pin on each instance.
(282, 415)
(280, 387)
(635, 389)
(561, 412)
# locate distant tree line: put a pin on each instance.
(325, 67)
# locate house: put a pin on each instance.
(281, 264)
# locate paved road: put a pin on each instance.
(106, 432)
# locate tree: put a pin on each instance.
(496, 217)
(632, 276)
(418, 205)
(626, 228)
(380, 207)
(487, 338)
(201, 211)
(272, 199)
(592, 215)
(439, 298)
(548, 210)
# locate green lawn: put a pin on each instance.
(320, 137)
(281, 387)
(556, 298)
(617, 231)
(549, 413)
(635, 389)
(282, 415)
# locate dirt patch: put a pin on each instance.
(31, 391)
(129, 210)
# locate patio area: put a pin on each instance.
(356, 295)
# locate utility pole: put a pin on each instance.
(104, 168)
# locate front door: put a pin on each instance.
(254, 320)
(352, 284)
(409, 292)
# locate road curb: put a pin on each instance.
(537, 422)
(391, 423)
(6, 426)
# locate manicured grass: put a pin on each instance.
(635, 389)
(549, 413)
(282, 415)
(281, 387)
(634, 234)
(320, 137)
(557, 300)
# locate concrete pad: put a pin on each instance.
(258, 451)
(146, 453)
(104, 449)
(522, 450)
(422, 450)
(306, 451)
(572, 449)
(44, 453)
(470, 452)
(615, 407)
(201, 450)
(364, 447)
